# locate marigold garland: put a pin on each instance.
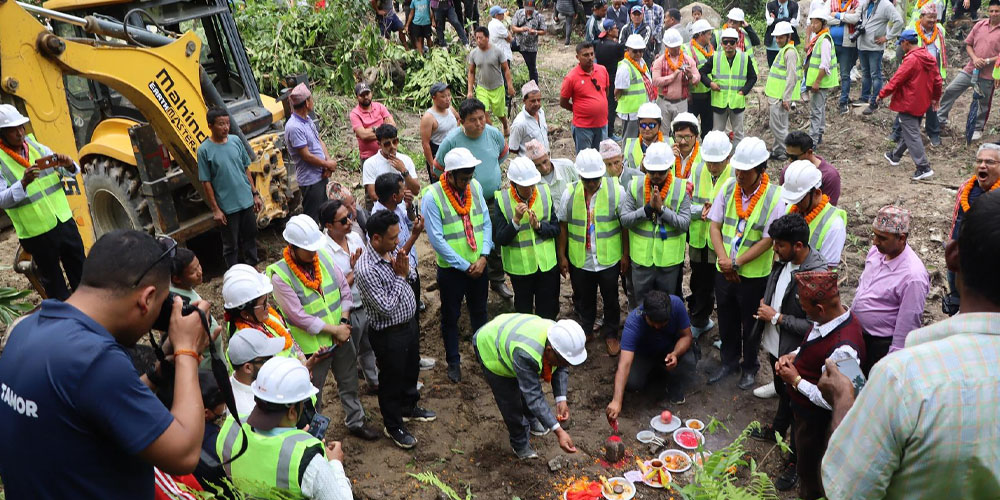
(815, 39)
(670, 63)
(683, 174)
(517, 198)
(700, 49)
(647, 189)
(738, 198)
(462, 210)
(16, 156)
(841, 6)
(642, 69)
(968, 188)
(920, 33)
(273, 324)
(815, 211)
(315, 282)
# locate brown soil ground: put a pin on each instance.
(467, 446)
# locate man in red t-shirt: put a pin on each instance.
(584, 93)
(367, 116)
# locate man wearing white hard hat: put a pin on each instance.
(657, 213)
(747, 38)
(315, 299)
(802, 192)
(526, 234)
(777, 12)
(707, 179)
(650, 122)
(731, 74)
(822, 71)
(460, 230)
(280, 458)
(633, 83)
(31, 192)
(518, 351)
(740, 215)
(673, 74)
(686, 148)
(702, 50)
(248, 350)
(592, 249)
(782, 88)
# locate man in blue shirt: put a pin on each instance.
(656, 346)
(76, 420)
(313, 163)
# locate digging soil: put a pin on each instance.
(467, 446)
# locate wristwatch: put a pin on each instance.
(345, 321)
(736, 267)
(775, 319)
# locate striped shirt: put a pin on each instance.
(387, 296)
(926, 424)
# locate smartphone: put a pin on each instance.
(852, 370)
(318, 426)
(325, 351)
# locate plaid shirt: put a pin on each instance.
(528, 42)
(388, 297)
(653, 15)
(926, 424)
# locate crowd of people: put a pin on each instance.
(237, 404)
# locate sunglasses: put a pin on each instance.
(170, 246)
(648, 125)
(345, 221)
(596, 86)
(729, 42)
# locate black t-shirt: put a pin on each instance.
(608, 53)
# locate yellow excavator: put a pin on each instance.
(123, 87)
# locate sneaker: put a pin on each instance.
(401, 437)
(765, 391)
(537, 429)
(455, 373)
(935, 142)
(920, 175)
(892, 161)
(421, 415)
(764, 433)
(844, 109)
(427, 363)
(697, 332)
(870, 109)
(788, 478)
(859, 104)
(614, 346)
(525, 453)
(977, 135)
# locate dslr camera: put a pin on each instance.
(860, 30)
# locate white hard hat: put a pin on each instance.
(590, 164)
(649, 110)
(685, 117)
(736, 14)
(659, 157)
(672, 38)
(749, 153)
(283, 380)
(716, 146)
(567, 338)
(10, 116)
(249, 344)
(302, 231)
(460, 158)
(522, 172)
(701, 26)
(635, 42)
(782, 28)
(801, 177)
(820, 13)
(729, 33)
(242, 284)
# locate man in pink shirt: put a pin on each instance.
(892, 289)
(672, 76)
(365, 118)
(584, 93)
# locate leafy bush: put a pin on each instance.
(12, 304)
(716, 479)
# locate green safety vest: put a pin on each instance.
(939, 42)
(44, 204)
(607, 228)
(325, 306)
(497, 340)
(635, 95)
(832, 77)
(753, 232)
(271, 466)
(454, 230)
(528, 253)
(704, 192)
(654, 243)
(731, 78)
(633, 152)
(821, 224)
(777, 77)
(699, 59)
(747, 45)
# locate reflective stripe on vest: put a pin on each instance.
(633, 152)
(705, 191)
(753, 231)
(635, 95)
(528, 253)
(497, 340)
(269, 463)
(832, 77)
(822, 223)
(657, 244)
(608, 244)
(325, 306)
(452, 227)
(699, 59)
(730, 78)
(777, 78)
(44, 204)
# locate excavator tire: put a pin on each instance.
(114, 196)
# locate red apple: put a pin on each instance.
(666, 416)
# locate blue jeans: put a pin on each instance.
(589, 137)
(846, 56)
(871, 74)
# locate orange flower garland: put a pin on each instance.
(815, 39)
(968, 187)
(815, 211)
(16, 156)
(920, 33)
(701, 49)
(462, 210)
(642, 69)
(683, 174)
(315, 282)
(531, 200)
(273, 325)
(738, 198)
(680, 60)
(648, 187)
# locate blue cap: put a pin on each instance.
(496, 10)
(909, 34)
(608, 24)
(636, 8)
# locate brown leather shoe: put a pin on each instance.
(614, 346)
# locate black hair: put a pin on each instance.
(214, 113)
(385, 131)
(979, 244)
(211, 395)
(580, 47)
(387, 185)
(656, 306)
(328, 211)
(182, 259)
(379, 222)
(483, 30)
(993, 2)
(674, 13)
(791, 228)
(761, 167)
(696, 8)
(469, 106)
(686, 125)
(117, 259)
(799, 139)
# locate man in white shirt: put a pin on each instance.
(499, 34)
(530, 122)
(388, 159)
(248, 350)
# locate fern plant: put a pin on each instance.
(716, 478)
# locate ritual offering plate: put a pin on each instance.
(657, 424)
(627, 489)
(688, 438)
(675, 460)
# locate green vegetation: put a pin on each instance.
(12, 304)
